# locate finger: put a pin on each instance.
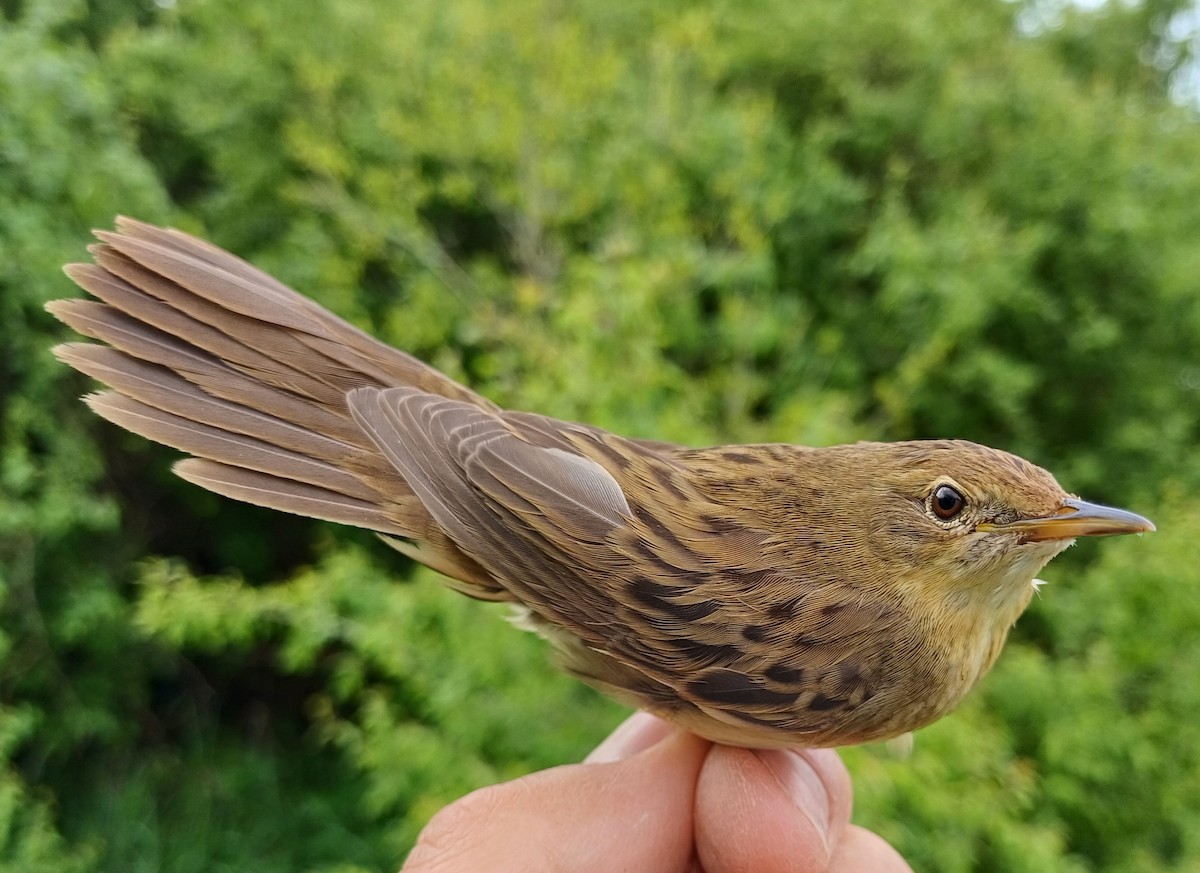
(635, 814)
(766, 811)
(638, 732)
(861, 849)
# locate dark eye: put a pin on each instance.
(947, 502)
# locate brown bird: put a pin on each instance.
(761, 595)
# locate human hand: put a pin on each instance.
(652, 799)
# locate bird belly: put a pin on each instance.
(910, 693)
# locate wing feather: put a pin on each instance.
(288, 495)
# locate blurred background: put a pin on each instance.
(787, 220)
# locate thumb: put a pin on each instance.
(773, 810)
(631, 814)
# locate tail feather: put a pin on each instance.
(209, 355)
(224, 445)
(138, 342)
(234, 286)
(273, 492)
(267, 350)
(161, 389)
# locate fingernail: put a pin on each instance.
(802, 784)
(636, 734)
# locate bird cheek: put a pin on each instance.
(899, 542)
(984, 548)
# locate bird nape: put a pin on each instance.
(759, 595)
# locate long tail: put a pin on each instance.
(211, 356)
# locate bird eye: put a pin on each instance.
(947, 502)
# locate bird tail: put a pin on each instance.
(211, 356)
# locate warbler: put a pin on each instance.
(757, 595)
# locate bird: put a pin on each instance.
(763, 596)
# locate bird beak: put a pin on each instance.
(1075, 518)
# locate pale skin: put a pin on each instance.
(654, 798)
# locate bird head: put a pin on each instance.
(974, 525)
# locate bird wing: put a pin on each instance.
(514, 498)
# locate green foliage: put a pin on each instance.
(63, 162)
(701, 222)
